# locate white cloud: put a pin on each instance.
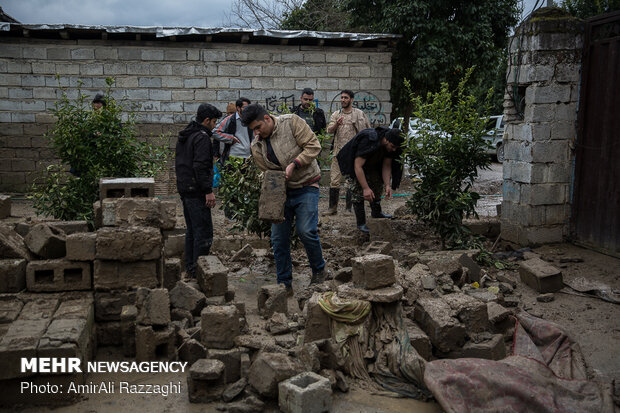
(201, 13)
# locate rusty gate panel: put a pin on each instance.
(596, 196)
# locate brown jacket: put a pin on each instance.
(292, 140)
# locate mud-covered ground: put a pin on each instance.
(594, 324)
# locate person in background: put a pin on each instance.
(194, 171)
(307, 110)
(233, 134)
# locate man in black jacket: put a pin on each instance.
(194, 170)
(371, 159)
(314, 117)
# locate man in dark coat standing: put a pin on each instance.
(371, 159)
(194, 170)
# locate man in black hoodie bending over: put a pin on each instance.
(194, 170)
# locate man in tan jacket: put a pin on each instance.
(344, 124)
(286, 143)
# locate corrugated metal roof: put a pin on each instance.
(163, 32)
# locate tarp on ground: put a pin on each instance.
(546, 373)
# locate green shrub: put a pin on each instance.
(92, 144)
(446, 154)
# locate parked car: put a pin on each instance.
(414, 126)
(495, 136)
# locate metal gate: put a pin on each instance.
(596, 200)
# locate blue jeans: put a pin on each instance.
(302, 205)
(199, 232)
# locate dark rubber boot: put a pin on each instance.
(349, 202)
(334, 193)
(375, 210)
(360, 217)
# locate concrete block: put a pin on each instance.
(231, 359)
(317, 321)
(373, 271)
(212, 276)
(206, 381)
(541, 276)
(378, 247)
(418, 339)
(492, 348)
(58, 275)
(81, 246)
(10, 307)
(46, 241)
(128, 329)
(174, 245)
(153, 306)
(434, 315)
(380, 229)
(272, 197)
(127, 187)
(109, 305)
(155, 343)
(70, 227)
(129, 244)
(172, 272)
(220, 326)
(12, 245)
(191, 350)
(12, 275)
(116, 275)
(272, 298)
(471, 312)
(269, 369)
(139, 212)
(5, 206)
(67, 338)
(185, 297)
(307, 392)
(20, 340)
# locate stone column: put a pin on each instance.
(540, 107)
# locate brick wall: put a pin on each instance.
(541, 113)
(169, 80)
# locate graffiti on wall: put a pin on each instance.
(367, 103)
(276, 104)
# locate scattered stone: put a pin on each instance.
(381, 295)
(511, 301)
(470, 311)
(435, 317)
(497, 313)
(541, 276)
(307, 392)
(317, 321)
(212, 276)
(490, 349)
(234, 389)
(378, 247)
(153, 306)
(216, 300)
(231, 359)
(344, 275)
(220, 326)
(545, 298)
(185, 297)
(178, 314)
(71, 227)
(418, 339)
(429, 282)
(278, 324)
(286, 340)
(128, 329)
(467, 260)
(244, 365)
(191, 350)
(12, 245)
(5, 206)
(10, 307)
(272, 298)
(502, 277)
(155, 343)
(249, 404)
(269, 369)
(483, 294)
(206, 381)
(172, 272)
(309, 354)
(243, 254)
(255, 341)
(373, 271)
(12, 275)
(46, 241)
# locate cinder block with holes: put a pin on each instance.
(58, 275)
(155, 343)
(126, 188)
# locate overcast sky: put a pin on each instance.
(199, 13)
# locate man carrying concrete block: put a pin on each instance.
(286, 143)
